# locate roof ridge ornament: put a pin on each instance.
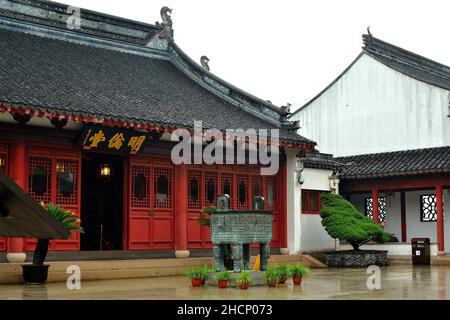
(368, 32)
(204, 61)
(166, 31)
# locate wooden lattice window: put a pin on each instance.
(140, 186)
(210, 189)
(271, 193)
(311, 202)
(194, 183)
(381, 208)
(227, 184)
(242, 191)
(428, 211)
(66, 182)
(256, 186)
(163, 188)
(39, 182)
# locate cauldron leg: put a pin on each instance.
(246, 253)
(237, 257)
(218, 257)
(264, 253)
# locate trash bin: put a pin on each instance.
(420, 250)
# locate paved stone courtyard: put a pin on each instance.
(397, 282)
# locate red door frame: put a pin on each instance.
(150, 214)
(4, 151)
(56, 153)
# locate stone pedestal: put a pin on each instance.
(257, 276)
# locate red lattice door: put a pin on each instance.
(3, 169)
(151, 206)
(271, 196)
(55, 177)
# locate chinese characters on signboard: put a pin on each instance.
(112, 139)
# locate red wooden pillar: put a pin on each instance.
(403, 215)
(181, 211)
(17, 160)
(375, 205)
(440, 218)
(282, 185)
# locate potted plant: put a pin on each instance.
(37, 272)
(283, 273)
(205, 270)
(244, 280)
(297, 272)
(196, 276)
(222, 279)
(271, 276)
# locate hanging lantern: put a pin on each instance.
(2, 161)
(60, 167)
(105, 170)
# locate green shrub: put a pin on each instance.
(223, 275)
(205, 215)
(282, 271)
(298, 270)
(244, 277)
(342, 221)
(198, 272)
(271, 274)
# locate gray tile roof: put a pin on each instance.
(316, 160)
(407, 62)
(76, 78)
(399, 163)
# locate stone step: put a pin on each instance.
(123, 269)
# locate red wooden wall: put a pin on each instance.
(4, 169)
(228, 179)
(151, 209)
(45, 160)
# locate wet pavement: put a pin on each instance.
(397, 282)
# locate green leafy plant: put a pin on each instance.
(244, 277)
(223, 275)
(271, 274)
(343, 221)
(67, 218)
(198, 273)
(298, 270)
(204, 216)
(282, 271)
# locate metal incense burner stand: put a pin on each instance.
(240, 228)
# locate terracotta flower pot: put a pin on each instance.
(222, 284)
(272, 283)
(197, 282)
(244, 285)
(282, 280)
(297, 280)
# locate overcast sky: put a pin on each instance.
(287, 50)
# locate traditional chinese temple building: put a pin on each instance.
(87, 108)
(387, 122)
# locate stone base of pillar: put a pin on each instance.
(182, 254)
(18, 257)
(284, 251)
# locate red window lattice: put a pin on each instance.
(66, 182)
(257, 186)
(194, 189)
(39, 181)
(271, 193)
(163, 188)
(242, 191)
(211, 192)
(140, 186)
(227, 184)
